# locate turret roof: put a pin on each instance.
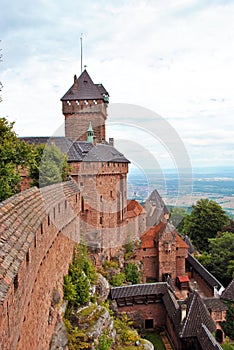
(85, 89)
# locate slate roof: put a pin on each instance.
(138, 290)
(81, 151)
(215, 304)
(155, 209)
(203, 272)
(85, 89)
(20, 217)
(189, 243)
(172, 307)
(196, 314)
(206, 339)
(104, 153)
(228, 294)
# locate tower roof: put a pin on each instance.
(85, 89)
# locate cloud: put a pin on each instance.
(175, 58)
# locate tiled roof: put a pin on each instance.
(183, 279)
(196, 314)
(228, 294)
(172, 307)
(85, 89)
(206, 339)
(79, 151)
(155, 209)
(20, 217)
(138, 290)
(215, 304)
(203, 272)
(105, 153)
(180, 242)
(134, 209)
(149, 236)
(189, 243)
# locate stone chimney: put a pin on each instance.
(111, 141)
(75, 82)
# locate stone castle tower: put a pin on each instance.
(83, 103)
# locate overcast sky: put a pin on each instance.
(175, 58)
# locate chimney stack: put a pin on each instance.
(111, 141)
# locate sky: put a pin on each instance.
(173, 59)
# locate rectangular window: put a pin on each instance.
(149, 324)
(16, 283)
(27, 257)
(101, 220)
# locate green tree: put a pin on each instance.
(14, 155)
(81, 259)
(220, 259)
(228, 325)
(49, 166)
(76, 287)
(205, 220)
(132, 273)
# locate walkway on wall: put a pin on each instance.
(166, 341)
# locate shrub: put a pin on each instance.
(118, 280)
(132, 273)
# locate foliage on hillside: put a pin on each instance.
(219, 260)
(14, 154)
(77, 282)
(205, 220)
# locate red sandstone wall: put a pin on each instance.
(27, 320)
(77, 119)
(157, 312)
(203, 285)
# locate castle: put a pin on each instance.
(40, 227)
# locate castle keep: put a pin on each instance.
(40, 227)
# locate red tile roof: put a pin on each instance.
(183, 279)
(134, 209)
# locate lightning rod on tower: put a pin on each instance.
(81, 53)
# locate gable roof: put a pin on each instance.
(155, 209)
(206, 339)
(85, 89)
(228, 294)
(148, 237)
(196, 314)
